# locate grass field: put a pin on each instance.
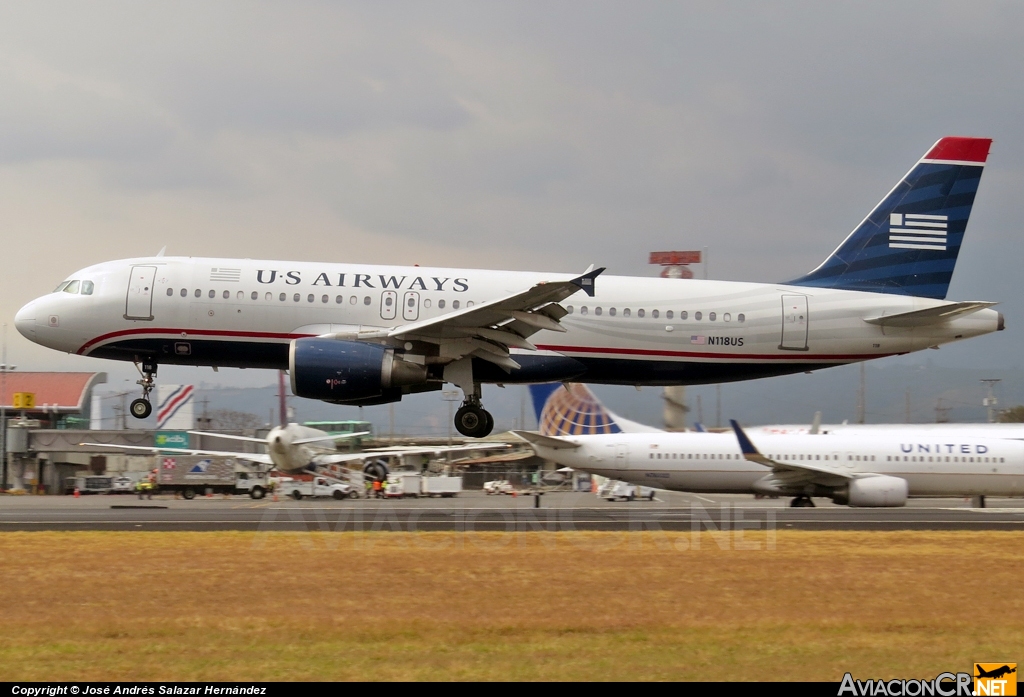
(241, 606)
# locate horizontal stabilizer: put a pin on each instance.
(546, 441)
(931, 315)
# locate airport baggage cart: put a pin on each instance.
(445, 487)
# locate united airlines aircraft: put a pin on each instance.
(358, 334)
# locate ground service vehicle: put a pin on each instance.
(401, 484)
(319, 487)
(190, 475)
(614, 490)
(445, 487)
(89, 485)
(498, 486)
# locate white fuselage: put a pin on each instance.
(244, 313)
(932, 464)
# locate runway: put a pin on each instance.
(558, 511)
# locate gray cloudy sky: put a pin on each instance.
(510, 135)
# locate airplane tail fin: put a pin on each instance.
(909, 243)
(573, 410)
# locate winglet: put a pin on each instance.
(816, 424)
(586, 281)
(749, 450)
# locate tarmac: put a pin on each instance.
(473, 510)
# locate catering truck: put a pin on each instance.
(191, 474)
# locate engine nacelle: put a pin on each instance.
(344, 371)
(874, 492)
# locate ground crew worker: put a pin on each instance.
(369, 487)
(376, 488)
(384, 488)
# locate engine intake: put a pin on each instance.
(348, 371)
(874, 492)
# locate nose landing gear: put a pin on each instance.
(141, 408)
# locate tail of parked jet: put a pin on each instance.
(909, 244)
(573, 410)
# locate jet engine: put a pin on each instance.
(349, 371)
(873, 492)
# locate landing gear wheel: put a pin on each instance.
(473, 421)
(141, 408)
(802, 502)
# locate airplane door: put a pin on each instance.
(411, 306)
(794, 323)
(388, 304)
(139, 304)
(621, 457)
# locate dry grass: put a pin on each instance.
(224, 606)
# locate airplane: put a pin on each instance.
(868, 470)
(577, 411)
(366, 334)
(995, 673)
(295, 448)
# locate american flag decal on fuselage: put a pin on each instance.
(917, 231)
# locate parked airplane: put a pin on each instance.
(296, 448)
(572, 409)
(356, 334)
(857, 470)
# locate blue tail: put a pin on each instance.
(909, 244)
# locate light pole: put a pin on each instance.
(4, 368)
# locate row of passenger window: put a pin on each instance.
(797, 458)
(74, 287)
(296, 297)
(656, 314)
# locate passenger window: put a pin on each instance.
(212, 294)
(711, 316)
(255, 295)
(727, 317)
(282, 297)
(426, 303)
(669, 314)
(184, 292)
(268, 297)
(455, 304)
(654, 314)
(338, 299)
(240, 295)
(611, 311)
(440, 304)
(324, 299)
(697, 316)
(388, 301)
(684, 314)
(639, 313)
(170, 292)
(367, 300)
(310, 298)
(626, 312)
(198, 293)
(227, 295)
(741, 317)
(353, 300)
(569, 309)
(296, 298)
(470, 304)
(87, 287)
(597, 311)
(71, 287)
(583, 310)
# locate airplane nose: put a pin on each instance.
(25, 321)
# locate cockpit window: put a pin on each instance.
(87, 287)
(61, 286)
(71, 287)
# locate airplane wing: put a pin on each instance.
(153, 450)
(490, 329)
(339, 458)
(230, 436)
(931, 315)
(551, 442)
(326, 437)
(792, 472)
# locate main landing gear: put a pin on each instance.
(802, 501)
(141, 408)
(472, 420)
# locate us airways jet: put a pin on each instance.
(360, 335)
